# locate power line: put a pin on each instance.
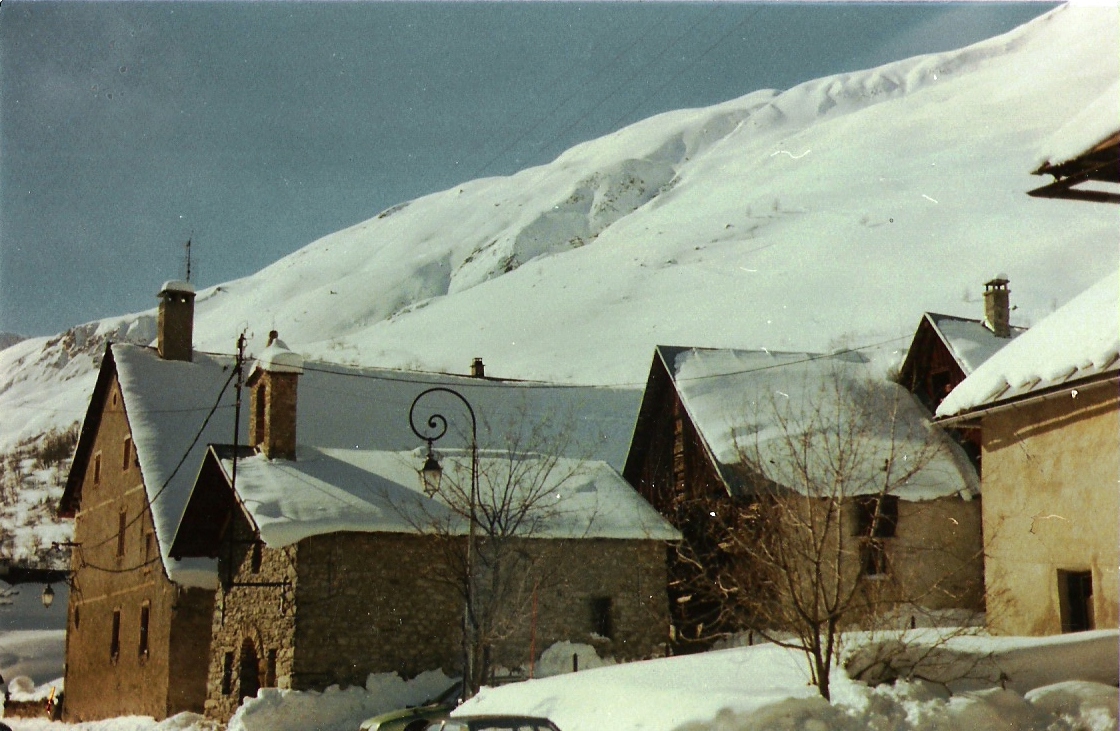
(683, 70)
(548, 115)
(152, 500)
(563, 133)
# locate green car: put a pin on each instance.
(415, 718)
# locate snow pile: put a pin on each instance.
(561, 657)
(920, 706)
(1063, 683)
(335, 709)
(179, 722)
(1080, 339)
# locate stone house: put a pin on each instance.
(330, 559)
(139, 621)
(707, 412)
(138, 629)
(1048, 412)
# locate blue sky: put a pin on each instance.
(254, 128)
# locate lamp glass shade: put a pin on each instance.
(48, 596)
(430, 475)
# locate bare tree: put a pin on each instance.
(802, 552)
(490, 508)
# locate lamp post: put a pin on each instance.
(431, 474)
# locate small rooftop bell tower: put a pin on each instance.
(997, 307)
(176, 320)
(273, 386)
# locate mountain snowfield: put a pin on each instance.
(832, 214)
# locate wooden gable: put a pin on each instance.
(930, 370)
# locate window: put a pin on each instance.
(255, 558)
(270, 669)
(77, 616)
(258, 416)
(97, 469)
(876, 519)
(249, 678)
(115, 637)
(149, 539)
(1075, 598)
(122, 525)
(601, 617)
(227, 673)
(126, 460)
(145, 615)
(873, 557)
(876, 516)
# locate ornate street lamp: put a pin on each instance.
(48, 596)
(431, 474)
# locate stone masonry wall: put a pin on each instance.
(118, 580)
(372, 603)
(351, 604)
(253, 622)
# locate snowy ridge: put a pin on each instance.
(832, 213)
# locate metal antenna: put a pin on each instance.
(188, 247)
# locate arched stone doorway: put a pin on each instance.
(249, 680)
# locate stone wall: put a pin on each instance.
(118, 577)
(253, 621)
(345, 605)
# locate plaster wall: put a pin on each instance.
(1051, 504)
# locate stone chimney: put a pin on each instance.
(478, 370)
(997, 307)
(176, 321)
(273, 388)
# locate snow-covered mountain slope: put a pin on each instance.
(832, 213)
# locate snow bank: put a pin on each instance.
(765, 688)
(335, 709)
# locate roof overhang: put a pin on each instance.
(971, 419)
(1100, 163)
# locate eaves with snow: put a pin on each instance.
(1078, 344)
(800, 415)
(358, 451)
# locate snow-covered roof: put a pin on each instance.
(1097, 122)
(334, 490)
(739, 399)
(346, 408)
(970, 342)
(169, 404)
(1079, 340)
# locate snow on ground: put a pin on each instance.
(1061, 683)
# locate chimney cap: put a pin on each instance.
(1000, 280)
(177, 285)
(278, 358)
